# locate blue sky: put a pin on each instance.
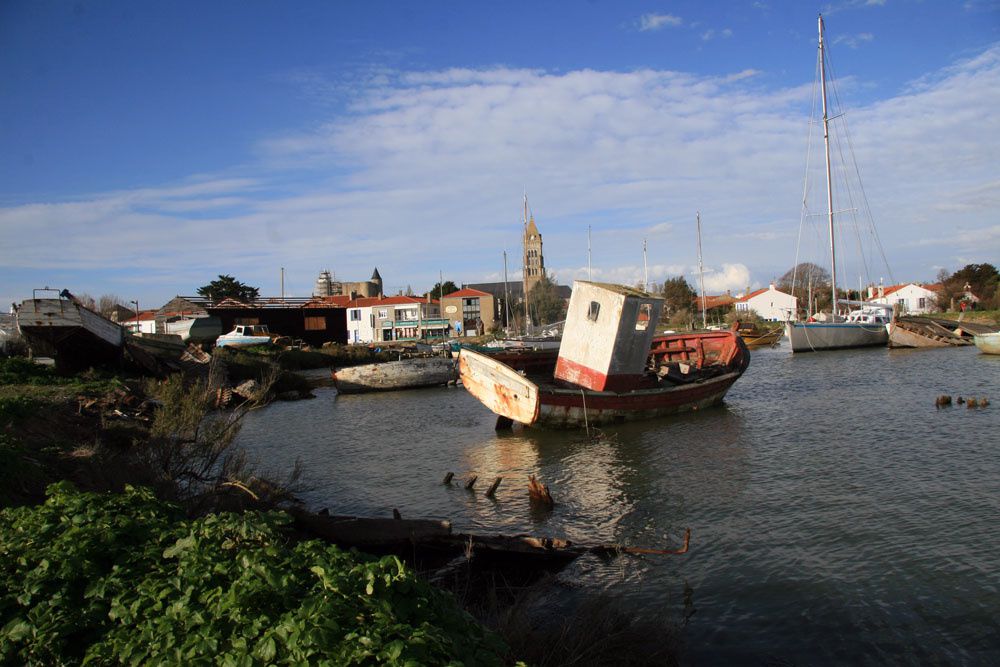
(147, 147)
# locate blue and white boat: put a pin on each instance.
(245, 335)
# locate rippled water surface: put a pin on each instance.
(836, 514)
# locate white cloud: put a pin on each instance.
(658, 21)
(426, 172)
(854, 41)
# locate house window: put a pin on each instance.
(901, 302)
(470, 308)
(355, 314)
(922, 302)
(383, 313)
(645, 314)
(593, 311)
(315, 323)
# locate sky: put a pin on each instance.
(146, 148)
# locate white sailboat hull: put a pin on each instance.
(815, 336)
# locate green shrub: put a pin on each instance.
(109, 578)
(19, 370)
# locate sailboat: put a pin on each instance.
(864, 325)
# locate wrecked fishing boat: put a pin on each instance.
(409, 373)
(755, 336)
(922, 332)
(68, 331)
(611, 367)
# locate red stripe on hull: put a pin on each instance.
(578, 374)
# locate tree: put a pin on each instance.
(807, 275)
(677, 295)
(545, 302)
(442, 289)
(983, 281)
(108, 302)
(227, 287)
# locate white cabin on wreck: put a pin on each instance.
(608, 333)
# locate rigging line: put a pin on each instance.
(861, 185)
(803, 212)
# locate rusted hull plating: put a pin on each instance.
(561, 408)
(499, 387)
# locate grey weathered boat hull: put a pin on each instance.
(73, 334)
(393, 375)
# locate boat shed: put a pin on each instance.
(312, 320)
(608, 333)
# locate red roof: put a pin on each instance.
(752, 294)
(369, 301)
(466, 292)
(715, 301)
(895, 288)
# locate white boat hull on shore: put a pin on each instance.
(393, 375)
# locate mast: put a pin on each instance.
(645, 269)
(506, 292)
(701, 273)
(829, 178)
(524, 270)
(590, 272)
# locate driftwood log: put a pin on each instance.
(410, 535)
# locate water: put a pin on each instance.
(836, 514)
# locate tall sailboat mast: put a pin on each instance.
(645, 268)
(701, 274)
(590, 272)
(829, 178)
(524, 270)
(506, 293)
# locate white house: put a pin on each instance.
(770, 304)
(385, 318)
(911, 297)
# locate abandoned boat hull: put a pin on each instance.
(195, 329)
(764, 339)
(517, 397)
(563, 408)
(73, 334)
(905, 334)
(988, 343)
(393, 375)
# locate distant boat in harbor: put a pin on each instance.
(988, 343)
(755, 336)
(865, 325)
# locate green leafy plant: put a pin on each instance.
(97, 579)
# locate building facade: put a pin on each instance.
(469, 312)
(770, 304)
(911, 298)
(327, 285)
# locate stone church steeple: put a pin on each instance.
(534, 260)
